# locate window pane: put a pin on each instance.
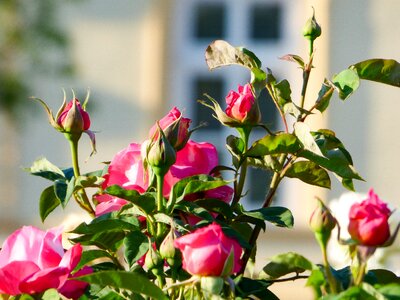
(213, 87)
(265, 22)
(209, 21)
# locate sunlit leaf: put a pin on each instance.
(380, 70)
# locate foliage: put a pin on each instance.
(167, 225)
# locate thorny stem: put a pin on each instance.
(306, 76)
(160, 201)
(295, 277)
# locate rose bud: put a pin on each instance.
(209, 252)
(369, 224)
(73, 118)
(242, 105)
(159, 154)
(322, 222)
(175, 127)
(311, 29)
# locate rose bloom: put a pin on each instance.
(74, 118)
(32, 261)
(242, 105)
(369, 221)
(205, 251)
(175, 127)
(126, 170)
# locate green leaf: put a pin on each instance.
(294, 58)
(390, 291)
(279, 216)
(48, 202)
(274, 144)
(196, 184)
(107, 240)
(90, 255)
(145, 201)
(125, 280)
(302, 131)
(332, 164)
(286, 263)
(104, 225)
(267, 162)
(383, 276)
(136, 245)
(324, 96)
(217, 206)
(43, 168)
(221, 53)
(246, 287)
(60, 190)
(379, 70)
(51, 294)
(310, 173)
(347, 82)
(194, 209)
(316, 280)
(282, 92)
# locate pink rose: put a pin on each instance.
(205, 251)
(194, 159)
(73, 118)
(32, 261)
(242, 105)
(369, 221)
(126, 170)
(175, 127)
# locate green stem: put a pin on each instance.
(160, 202)
(245, 134)
(306, 77)
(79, 195)
(328, 272)
(360, 273)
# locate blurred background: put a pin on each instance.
(140, 58)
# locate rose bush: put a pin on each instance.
(369, 221)
(206, 251)
(32, 261)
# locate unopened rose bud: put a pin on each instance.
(159, 154)
(153, 260)
(322, 222)
(167, 248)
(243, 106)
(175, 128)
(73, 118)
(311, 29)
(212, 285)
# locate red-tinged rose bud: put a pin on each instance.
(242, 105)
(175, 128)
(73, 118)
(153, 260)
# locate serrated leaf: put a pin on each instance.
(347, 82)
(379, 70)
(108, 240)
(286, 263)
(136, 245)
(43, 168)
(221, 53)
(194, 209)
(310, 173)
(217, 206)
(48, 202)
(125, 280)
(267, 162)
(274, 144)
